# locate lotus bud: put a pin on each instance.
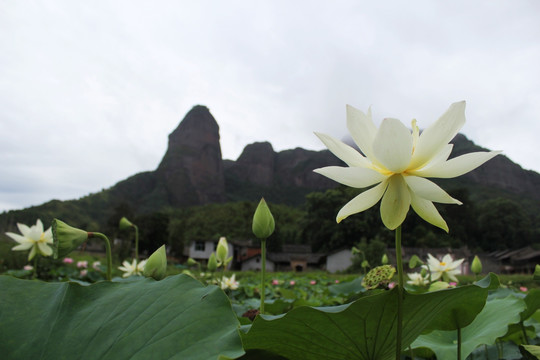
(192, 262)
(536, 275)
(365, 264)
(125, 224)
(423, 272)
(263, 221)
(476, 265)
(222, 250)
(66, 238)
(414, 262)
(156, 265)
(212, 263)
(384, 259)
(355, 250)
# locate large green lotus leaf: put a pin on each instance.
(363, 329)
(530, 352)
(175, 318)
(490, 324)
(532, 300)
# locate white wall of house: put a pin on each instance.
(255, 263)
(339, 261)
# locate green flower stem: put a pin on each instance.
(108, 250)
(263, 271)
(458, 343)
(136, 243)
(526, 339)
(399, 262)
(34, 273)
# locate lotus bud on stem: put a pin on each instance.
(263, 226)
(126, 224)
(66, 238)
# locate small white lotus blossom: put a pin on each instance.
(96, 265)
(417, 279)
(132, 268)
(229, 283)
(33, 238)
(398, 161)
(447, 268)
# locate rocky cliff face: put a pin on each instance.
(192, 171)
(192, 168)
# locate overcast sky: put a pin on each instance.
(90, 90)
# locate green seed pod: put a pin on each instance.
(263, 221)
(476, 265)
(156, 265)
(125, 224)
(66, 238)
(380, 275)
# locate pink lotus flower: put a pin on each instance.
(523, 288)
(82, 264)
(67, 260)
(28, 267)
(275, 282)
(391, 285)
(313, 282)
(452, 284)
(83, 273)
(292, 282)
(337, 281)
(96, 265)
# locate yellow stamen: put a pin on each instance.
(443, 263)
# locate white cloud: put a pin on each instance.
(90, 91)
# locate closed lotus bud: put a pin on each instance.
(423, 272)
(222, 250)
(156, 265)
(476, 266)
(125, 224)
(212, 262)
(355, 250)
(191, 262)
(536, 275)
(365, 264)
(66, 238)
(384, 259)
(263, 221)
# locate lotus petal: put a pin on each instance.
(456, 166)
(344, 152)
(429, 190)
(427, 211)
(395, 203)
(438, 135)
(393, 145)
(363, 201)
(356, 177)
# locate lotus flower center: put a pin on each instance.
(443, 263)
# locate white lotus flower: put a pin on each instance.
(133, 268)
(398, 161)
(447, 269)
(33, 238)
(229, 283)
(417, 279)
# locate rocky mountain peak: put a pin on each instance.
(192, 167)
